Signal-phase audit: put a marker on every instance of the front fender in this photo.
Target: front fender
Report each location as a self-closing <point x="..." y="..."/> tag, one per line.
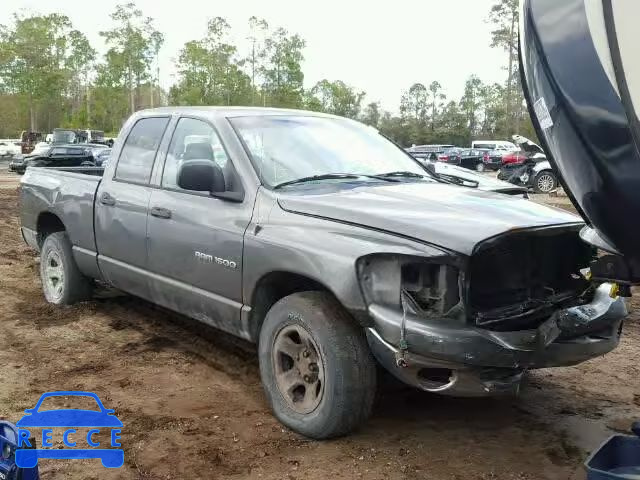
<point x="319" y="249"/>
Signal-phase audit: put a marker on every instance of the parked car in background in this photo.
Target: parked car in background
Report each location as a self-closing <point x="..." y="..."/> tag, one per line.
<point x="102" y="156"/>
<point x="450" y="155"/>
<point x="473" y="159"/>
<point x="80" y="136"/>
<point x="429" y="152"/>
<point x="514" y="157"/>
<point x="28" y="141"/>
<point x="55" y="156"/>
<point x="529" y="167"/>
<point x="95" y="148"/>
<point x="535" y="174"/>
<point x="492" y="159"/>
<point x="494" y="145"/>
<point x="64" y="136"/>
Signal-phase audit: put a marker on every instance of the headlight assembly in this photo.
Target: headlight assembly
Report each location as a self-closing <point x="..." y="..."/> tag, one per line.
<point x="424" y="286"/>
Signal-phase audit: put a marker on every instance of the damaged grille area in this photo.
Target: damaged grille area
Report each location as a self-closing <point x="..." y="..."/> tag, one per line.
<point x="433" y="289"/>
<point x="518" y="280"/>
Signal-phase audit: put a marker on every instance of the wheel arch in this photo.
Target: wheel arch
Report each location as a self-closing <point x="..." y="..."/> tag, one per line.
<point x="272" y="287"/>
<point x="47" y="224"/>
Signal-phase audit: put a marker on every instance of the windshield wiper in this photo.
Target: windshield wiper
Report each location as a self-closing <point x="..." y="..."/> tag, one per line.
<point x="399" y="174"/>
<point x="463" y="182"/>
<point x="312" y="178"/>
<point x="330" y="176"/>
<point x="451" y="179"/>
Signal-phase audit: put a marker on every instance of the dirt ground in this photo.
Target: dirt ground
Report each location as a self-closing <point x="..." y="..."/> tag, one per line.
<point x="192" y="405"/>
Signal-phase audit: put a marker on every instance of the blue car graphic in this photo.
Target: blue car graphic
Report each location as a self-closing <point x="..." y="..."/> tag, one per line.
<point x="70" y="418"/>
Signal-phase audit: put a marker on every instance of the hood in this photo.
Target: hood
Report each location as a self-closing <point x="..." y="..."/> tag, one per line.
<point x="527" y="145"/>
<point x="455" y="218"/>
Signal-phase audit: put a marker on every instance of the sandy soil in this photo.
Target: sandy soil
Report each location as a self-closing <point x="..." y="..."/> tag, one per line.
<point x="192" y="405"/>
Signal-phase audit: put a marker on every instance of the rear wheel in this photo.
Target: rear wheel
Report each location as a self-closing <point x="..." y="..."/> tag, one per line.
<point x="545" y="182"/>
<point x="62" y="281"/>
<point x="480" y="167"/>
<point x="318" y="373"/>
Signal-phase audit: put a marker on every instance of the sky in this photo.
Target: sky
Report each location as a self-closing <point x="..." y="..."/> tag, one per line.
<point x="381" y="47"/>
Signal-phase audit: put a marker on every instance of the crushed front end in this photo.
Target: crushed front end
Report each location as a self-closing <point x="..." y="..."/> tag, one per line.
<point x="471" y="326"/>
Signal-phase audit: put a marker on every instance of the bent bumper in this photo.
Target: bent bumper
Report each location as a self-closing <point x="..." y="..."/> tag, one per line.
<point x="484" y="362"/>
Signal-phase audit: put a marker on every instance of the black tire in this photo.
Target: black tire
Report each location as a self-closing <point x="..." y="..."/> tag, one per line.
<point x="71" y="286"/>
<point x="545" y="182"/>
<point x="348" y="368"/>
<point x="480" y="167"/>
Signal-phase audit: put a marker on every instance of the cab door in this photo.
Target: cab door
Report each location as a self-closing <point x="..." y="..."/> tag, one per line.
<point x="195" y="240"/>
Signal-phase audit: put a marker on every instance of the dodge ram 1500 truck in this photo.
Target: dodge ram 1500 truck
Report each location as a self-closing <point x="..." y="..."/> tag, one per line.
<point x="332" y="248"/>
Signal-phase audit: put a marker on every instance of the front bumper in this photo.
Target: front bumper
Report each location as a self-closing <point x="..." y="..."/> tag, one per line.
<point x="484" y="362"/>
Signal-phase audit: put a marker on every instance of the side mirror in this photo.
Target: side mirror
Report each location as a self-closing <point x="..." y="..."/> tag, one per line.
<point x="201" y="176"/>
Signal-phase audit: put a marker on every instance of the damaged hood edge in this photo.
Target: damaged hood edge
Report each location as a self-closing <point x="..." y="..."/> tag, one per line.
<point x="457" y="219"/>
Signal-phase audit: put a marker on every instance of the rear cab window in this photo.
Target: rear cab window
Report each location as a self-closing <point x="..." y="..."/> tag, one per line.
<point x="139" y="151"/>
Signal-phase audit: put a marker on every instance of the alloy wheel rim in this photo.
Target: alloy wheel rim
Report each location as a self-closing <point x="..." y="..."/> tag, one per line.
<point x="54" y="275"/>
<point x="298" y="368"/>
<point x="545" y="183"/>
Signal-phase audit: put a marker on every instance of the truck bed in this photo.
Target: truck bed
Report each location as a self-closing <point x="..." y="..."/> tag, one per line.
<point x="67" y="193"/>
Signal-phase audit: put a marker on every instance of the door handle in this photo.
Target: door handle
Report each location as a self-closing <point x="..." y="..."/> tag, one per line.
<point x="107" y="199"/>
<point x="160" y="212"/>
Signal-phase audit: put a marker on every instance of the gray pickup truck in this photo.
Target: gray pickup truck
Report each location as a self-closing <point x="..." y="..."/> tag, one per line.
<point x="330" y="247"/>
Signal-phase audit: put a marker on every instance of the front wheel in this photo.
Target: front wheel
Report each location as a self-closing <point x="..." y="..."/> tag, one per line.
<point x="62" y="281"/>
<point x="480" y="167"/>
<point x="318" y="373"/>
<point x="545" y="182"/>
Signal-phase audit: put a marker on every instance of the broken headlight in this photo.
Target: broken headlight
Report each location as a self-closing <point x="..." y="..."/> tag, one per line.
<point x="424" y="287"/>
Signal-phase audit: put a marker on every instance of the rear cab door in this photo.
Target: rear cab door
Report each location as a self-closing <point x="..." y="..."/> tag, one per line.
<point x="122" y="201"/>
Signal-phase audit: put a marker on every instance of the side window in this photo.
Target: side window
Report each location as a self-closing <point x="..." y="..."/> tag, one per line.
<point x="193" y="140"/>
<point x="139" y="151"/>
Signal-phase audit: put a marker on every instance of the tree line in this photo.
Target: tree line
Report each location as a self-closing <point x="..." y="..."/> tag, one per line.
<point x="51" y="76"/>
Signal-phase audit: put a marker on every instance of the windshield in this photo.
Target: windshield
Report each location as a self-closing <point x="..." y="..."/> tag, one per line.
<point x="286" y="148"/>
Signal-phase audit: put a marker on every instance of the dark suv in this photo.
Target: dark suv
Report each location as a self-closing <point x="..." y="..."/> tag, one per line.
<point x="55" y="156"/>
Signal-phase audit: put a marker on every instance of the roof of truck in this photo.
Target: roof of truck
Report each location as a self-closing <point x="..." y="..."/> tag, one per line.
<point x="233" y="111"/>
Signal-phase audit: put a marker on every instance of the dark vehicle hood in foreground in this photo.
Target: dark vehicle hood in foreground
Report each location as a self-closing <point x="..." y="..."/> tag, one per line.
<point x="456" y="218"/>
<point x="579" y="83"/>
